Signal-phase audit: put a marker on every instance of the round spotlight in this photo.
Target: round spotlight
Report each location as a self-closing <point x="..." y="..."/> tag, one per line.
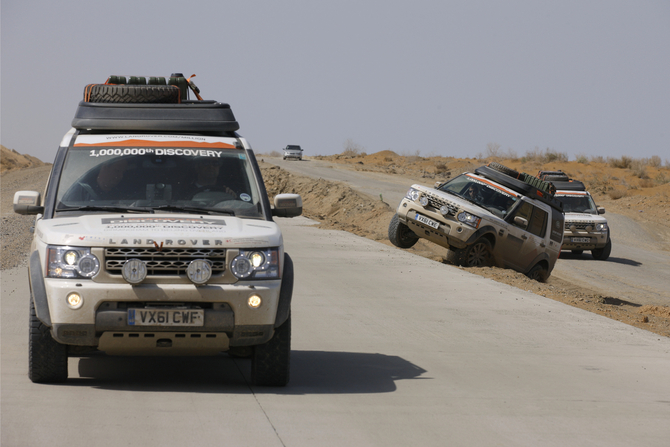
<point x="134" y="271"/>
<point x="254" y="301"/>
<point x="444" y="210"/>
<point x="74" y="300"/>
<point x="573" y="228"/>
<point x="199" y="271"/>
<point x="589" y="228"/>
<point x="423" y="200"/>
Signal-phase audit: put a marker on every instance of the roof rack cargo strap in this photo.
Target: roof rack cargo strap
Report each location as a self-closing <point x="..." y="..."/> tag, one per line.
<point x="195" y="88"/>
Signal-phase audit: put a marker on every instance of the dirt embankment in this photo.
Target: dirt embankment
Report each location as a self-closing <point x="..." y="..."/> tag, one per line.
<point x="339" y="207"/>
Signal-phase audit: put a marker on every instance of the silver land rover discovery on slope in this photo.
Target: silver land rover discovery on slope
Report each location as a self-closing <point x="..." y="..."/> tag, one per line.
<point x="155" y="236"/>
<point x="494" y="216"/>
<point x="585" y="227"/>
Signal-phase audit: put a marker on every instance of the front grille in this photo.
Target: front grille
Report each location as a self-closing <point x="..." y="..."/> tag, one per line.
<point x="579" y="225"/>
<point x="170" y="261"/>
<point x="437" y="203"/>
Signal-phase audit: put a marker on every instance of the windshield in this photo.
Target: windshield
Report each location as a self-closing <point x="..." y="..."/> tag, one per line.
<point x="494" y="199"/>
<point x="578" y="204"/>
<point x="158" y="176"/>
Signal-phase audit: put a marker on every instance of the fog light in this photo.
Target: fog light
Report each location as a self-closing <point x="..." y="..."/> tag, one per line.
<point x="134" y="271"/>
<point x="74" y="300"/>
<point x="254" y="301"/>
<point x="199" y="271"/>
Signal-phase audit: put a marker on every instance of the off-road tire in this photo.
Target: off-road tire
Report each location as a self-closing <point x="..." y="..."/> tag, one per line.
<point x="538" y="273"/>
<point x="400" y="235"/>
<point x="270" y="364"/>
<point x="601" y="254"/>
<point x="47" y="359"/>
<point x="132" y="94"/>
<point x="475" y="255"/>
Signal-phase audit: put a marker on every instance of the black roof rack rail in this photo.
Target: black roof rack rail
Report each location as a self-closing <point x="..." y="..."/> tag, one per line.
<point x="187" y="116"/>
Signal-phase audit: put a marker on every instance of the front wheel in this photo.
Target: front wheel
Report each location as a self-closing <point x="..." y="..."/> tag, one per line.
<point x="400" y="235"/>
<point x="538" y="273"/>
<point x="270" y="364"/>
<point x="602" y="254"/>
<point x="47" y="359"/>
<point x="475" y="255"/>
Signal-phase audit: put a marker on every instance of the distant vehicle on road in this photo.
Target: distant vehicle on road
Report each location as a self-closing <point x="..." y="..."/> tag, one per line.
<point x="293" y="151"/>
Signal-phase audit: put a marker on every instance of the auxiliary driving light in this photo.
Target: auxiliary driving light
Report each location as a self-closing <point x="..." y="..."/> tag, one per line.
<point x="199" y="271"/>
<point x="423" y="200"/>
<point x="134" y="271"/>
<point x="74" y="300"/>
<point x="254" y="301"/>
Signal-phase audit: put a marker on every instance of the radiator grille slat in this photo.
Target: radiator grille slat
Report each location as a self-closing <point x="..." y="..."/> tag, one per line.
<point x="170" y="261"/>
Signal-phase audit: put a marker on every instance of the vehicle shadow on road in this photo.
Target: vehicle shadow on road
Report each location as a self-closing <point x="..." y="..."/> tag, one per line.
<point x="587" y="257"/>
<point x="312" y="372"/>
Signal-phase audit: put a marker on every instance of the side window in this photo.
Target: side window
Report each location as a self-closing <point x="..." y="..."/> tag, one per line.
<point x="524" y="210"/>
<point x="538" y="224"/>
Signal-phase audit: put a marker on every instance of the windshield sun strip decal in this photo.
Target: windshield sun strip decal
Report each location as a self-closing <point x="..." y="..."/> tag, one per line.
<point x="152" y="143"/>
<point x="496" y="186"/>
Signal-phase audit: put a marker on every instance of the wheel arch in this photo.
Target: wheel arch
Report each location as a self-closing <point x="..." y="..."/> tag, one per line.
<point x="38" y="289"/>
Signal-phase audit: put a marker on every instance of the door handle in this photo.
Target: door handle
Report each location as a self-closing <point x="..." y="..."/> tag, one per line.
<point x="524" y="237"/>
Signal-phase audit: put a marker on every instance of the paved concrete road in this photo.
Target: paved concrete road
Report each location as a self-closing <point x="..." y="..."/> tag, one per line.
<point x="389" y="349"/>
<point x="636" y="270"/>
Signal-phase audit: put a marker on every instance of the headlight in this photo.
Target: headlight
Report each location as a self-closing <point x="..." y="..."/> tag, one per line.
<point x="469" y="219"/>
<point x="601" y="227"/>
<point x="71" y="262"/>
<point x="412" y="194"/>
<point x="256" y="264"/>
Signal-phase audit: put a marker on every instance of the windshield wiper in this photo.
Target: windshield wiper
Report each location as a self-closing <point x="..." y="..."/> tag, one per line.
<point x="114" y="209"/>
<point x="193" y="209"/>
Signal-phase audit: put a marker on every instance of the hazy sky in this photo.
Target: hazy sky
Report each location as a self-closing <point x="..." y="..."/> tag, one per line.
<point x="444" y="77"/>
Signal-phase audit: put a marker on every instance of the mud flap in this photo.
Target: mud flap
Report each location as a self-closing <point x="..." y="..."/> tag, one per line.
<point x="39" y="291"/>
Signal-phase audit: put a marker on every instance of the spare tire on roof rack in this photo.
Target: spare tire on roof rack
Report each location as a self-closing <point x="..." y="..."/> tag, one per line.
<point x="526" y="178"/>
<point x="132" y="94"/>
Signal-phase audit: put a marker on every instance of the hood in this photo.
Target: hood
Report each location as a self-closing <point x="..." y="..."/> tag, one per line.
<point x="171" y="230"/>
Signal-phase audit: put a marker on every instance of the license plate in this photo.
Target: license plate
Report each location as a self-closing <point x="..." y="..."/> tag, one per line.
<point x="583" y="240"/>
<point x="430" y="222"/>
<point x="166" y="317"/>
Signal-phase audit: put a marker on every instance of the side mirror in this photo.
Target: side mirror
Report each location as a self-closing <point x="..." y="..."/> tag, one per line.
<point x="438" y="184"/>
<point x="27" y="202"/>
<point x="601" y="210"/>
<point x="521" y="222"/>
<point x="287" y="205"/>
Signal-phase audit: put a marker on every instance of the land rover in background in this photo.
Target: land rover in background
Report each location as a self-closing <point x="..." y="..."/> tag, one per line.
<point x="585" y="227"/>
<point x="135" y="253"/>
<point x="494" y="216"/>
<point x="293" y="152"/>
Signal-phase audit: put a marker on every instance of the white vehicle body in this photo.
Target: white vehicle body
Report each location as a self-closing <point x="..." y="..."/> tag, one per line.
<point x="293" y="152"/>
<point x="158" y="242"/>
<point x="585" y="227"/>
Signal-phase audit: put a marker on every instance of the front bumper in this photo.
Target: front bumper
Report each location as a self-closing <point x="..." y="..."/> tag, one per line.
<point x="582" y="240"/>
<point x="103" y="318"/>
<point x="450" y="233"/>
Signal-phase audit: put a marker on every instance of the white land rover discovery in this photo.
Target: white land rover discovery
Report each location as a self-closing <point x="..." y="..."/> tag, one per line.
<point x="492" y="216"/>
<point x="585" y="228"/>
<point x="155" y="236"/>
